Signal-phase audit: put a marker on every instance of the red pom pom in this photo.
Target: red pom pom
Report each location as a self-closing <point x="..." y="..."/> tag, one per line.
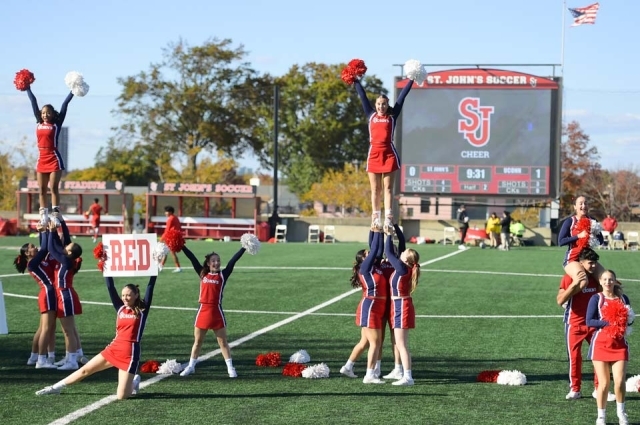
<point x="173" y="239"/>
<point x="293" y="369"/>
<point x="23" y="80"/>
<point x="584" y="224"/>
<point x="488" y="376"/>
<point x="615" y="313"/>
<point x="101" y="265"/>
<point x="151" y="366"/>
<point x="348" y="76"/>
<point x="98" y="251"/>
<point x="358" y="67"/>
<point x="268" y="360"/>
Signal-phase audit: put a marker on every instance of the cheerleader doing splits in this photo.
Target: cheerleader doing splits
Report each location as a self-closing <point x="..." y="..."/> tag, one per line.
<point x="383" y="159"/>
<point x="50" y="165"/>
<point x="569" y="236"/>
<point x="124" y="351"/>
<point x="210" y="314"/>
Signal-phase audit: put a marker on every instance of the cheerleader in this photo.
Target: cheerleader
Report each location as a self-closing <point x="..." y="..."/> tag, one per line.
<point x="69" y="259"/>
<point x="123" y="352"/>
<point x="382" y="159"/>
<point x="609" y="350"/>
<point x="42" y="268"/>
<point x="50" y="164"/>
<point x="569" y="236"/>
<point x="210" y="314"/>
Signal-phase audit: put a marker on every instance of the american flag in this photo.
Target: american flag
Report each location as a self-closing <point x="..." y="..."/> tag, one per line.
<point x="584" y="15"/>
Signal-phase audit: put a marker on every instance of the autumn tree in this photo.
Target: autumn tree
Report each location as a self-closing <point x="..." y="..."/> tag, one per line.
<point x="16" y="163"/>
<point x="196" y="99"/>
<point x="321" y="123"/>
<point x="578" y="160"/>
<point x="347" y="189"/>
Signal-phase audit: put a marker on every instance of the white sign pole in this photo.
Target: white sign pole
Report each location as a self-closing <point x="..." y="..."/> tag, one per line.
<point x="4" y="329"/>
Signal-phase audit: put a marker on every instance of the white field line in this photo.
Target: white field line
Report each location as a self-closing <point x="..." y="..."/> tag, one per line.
<point x="109" y="399"/>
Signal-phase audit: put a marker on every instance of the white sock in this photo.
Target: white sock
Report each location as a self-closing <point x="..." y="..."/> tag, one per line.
<point x="33" y="356"/>
<point x="349" y="364"/>
<point x="376" y="213"/>
<point x="71" y="357"/>
<point x="388" y="213"/>
<point x="369" y="373"/>
<point x="377" y="369"/>
<point x="192" y="362"/>
<point x="52" y="354"/>
<point x="407" y="374"/>
<point x="229" y="363"/>
<point x="80" y="353"/>
<point x="620" y="407"/>
<point x="399" y="367"/>
<point x="42" y="358"/>
<point x="59" y="385"/>
<point x="602" y="413"/>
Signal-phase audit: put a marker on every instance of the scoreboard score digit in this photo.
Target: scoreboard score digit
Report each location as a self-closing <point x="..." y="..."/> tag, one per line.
<point x="481" y="131"/>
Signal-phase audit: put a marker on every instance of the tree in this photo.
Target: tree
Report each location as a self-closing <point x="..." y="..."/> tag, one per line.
<point x="197" y="99"/>
<point x="347" y="188"/>
<point x="321" y="126"/>
<point x="16" y="163"/>
<point x="578" y="160"/>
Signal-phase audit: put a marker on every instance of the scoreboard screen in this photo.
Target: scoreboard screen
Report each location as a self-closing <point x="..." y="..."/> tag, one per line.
<point x="480" y="131"/>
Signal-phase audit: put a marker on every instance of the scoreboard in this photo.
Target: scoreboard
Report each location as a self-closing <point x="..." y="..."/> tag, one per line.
<point x="480" y="131"/>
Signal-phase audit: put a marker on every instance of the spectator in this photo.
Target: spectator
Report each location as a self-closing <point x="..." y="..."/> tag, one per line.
<point x="610" y="224"/>
<point x="493" y="229"/>
<point x="517" y="230"/>
<point x="505" y="231"/>
<point x="463" y="222"/>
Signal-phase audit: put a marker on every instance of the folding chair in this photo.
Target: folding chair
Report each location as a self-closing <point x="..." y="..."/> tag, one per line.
<point x="608" y="241"/>
<point x="314" y="234"/>
<point x="632" y="241"/>
<point x="281" y="233"/>
<point x="329" y="234"/>
<point x="449" y="232"/>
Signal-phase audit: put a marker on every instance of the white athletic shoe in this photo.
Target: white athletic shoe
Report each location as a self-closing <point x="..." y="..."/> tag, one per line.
<point x="573" y="395"/>
<point x="44" y="216"/>
<point x="405" y="382"/>
<point x="601" y="421"/>
<point x="136" y="384"/>
<point x="610" y="396"/>
<point x="348" y="372"/>
<point x="48" y="390"/>
<point x="69" y="365"/>
<point x="388" y="226"/>
<point x="45" y="365"/>
<point x="32" y="362"/>
<point x="187" y="371"/>
<point x="372" y="380"/>
<point x="177" y="270"/>
<point x="462" y="247"/>
<point x="61" y="362"/>
<point x="232" y="372"/>
<point x="395" y="374"/>
<point x="623" y="419"/>
<point x="375" y="223"/>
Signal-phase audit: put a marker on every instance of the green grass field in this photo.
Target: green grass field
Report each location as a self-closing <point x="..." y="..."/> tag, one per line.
<point x="478" y="310"/>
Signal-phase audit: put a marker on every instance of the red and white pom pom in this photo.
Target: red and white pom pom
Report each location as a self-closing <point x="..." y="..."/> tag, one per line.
<point x="317" y="371"/>
<point x="511" y="377"/>
<point x="415" y="71"/>
<point x="633" y="384"/>
<point x="250" y="242"/>
<point x="169" y="367"/>
<point x="300" y="357"/>
<point x="23" y="79"/>
<point x="174" y="240"/>
<point x="75" y="81"/>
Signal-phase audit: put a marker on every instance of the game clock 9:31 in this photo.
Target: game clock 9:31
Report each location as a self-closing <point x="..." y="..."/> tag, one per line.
<point x="476" y="174"/>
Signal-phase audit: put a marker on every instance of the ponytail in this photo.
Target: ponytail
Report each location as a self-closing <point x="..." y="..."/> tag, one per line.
<point x="355" y="272"/>
<point x="21" y="261"/>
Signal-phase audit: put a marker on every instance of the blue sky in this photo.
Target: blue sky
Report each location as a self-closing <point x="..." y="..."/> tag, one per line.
<point x="121" y="38"/>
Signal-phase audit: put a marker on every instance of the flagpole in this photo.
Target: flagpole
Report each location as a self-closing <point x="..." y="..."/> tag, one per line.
<point x="564" y="7"/>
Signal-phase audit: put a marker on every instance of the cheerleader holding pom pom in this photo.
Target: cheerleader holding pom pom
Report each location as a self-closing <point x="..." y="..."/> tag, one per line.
<point x="383" y="159"/>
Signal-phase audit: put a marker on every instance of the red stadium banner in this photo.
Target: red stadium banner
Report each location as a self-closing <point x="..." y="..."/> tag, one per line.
<point x="27" y="185"/>
<point x="201" y="188"/>
<point x="478" y="78"/>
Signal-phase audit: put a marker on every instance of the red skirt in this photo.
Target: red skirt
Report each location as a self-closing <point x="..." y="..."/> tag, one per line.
<point x="383" y="159"/>
<point x="49" y="161"/>
<point x="371" y="313"/>
<point x="210" y="316"/>
<point x="403" y="315"/>
<point x="47" y="300"/>
<point x="124" y="355"/>
<point x="68" y="302"/>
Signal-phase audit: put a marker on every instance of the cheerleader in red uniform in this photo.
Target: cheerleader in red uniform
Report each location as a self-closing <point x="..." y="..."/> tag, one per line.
<point x="370" y="313"/>
<point x="569" y="236"/>
<point x="609" y="350"/>
<point x="123" y="352"/>
<point x="402" y="317"/>
<point x="383" y="159"/>
<point x="42" y="268"/>
<point x="50" y="164"/>
<point x="69" y="259"/>
<point x="210" y="314"/>
<point x="173" y="223"/>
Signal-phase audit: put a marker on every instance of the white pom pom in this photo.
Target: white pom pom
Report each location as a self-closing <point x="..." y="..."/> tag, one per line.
<point x="300" y="357"/>
<point x="318" y="371"/>
<point x="415" y="71"/>
<point x="511" y="377"/>
<point x="75" y="81"/>
<point x="250" y="242"/>
<point x="169" y="367"/>
<point x="632" y="384"/>
<point x="160" y="252"/>
<point x="596" y="229"/>
<point x="631" y="315"/>
<point x="628" y="331"/>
